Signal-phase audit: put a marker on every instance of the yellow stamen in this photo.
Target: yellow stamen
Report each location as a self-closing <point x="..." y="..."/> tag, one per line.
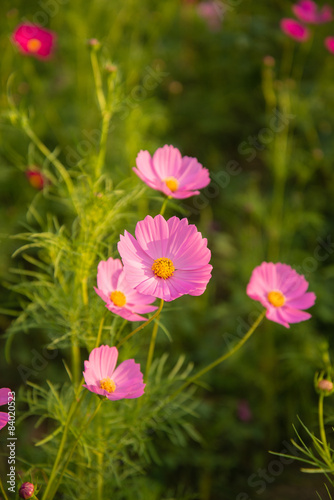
<point x="276" y="298"/>
<point x="118" y="298"/>
<point x="107" y="384"/>
<point x="171" y="183"/>
<point x="34" y="45"/>
<point x="163" y="267"/>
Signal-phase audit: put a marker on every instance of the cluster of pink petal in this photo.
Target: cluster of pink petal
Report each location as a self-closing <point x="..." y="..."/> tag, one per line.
<point x="308" y="12"/>
<point x="167" y="162"/>
<point x="295" y="30"/>
<point x="270" y="277"/>
<point x="329" y="44"/>
<point x="174" y="239"/>
<point x="127" y="376"/>
<point x="111" y="277"/>
<point x="211" y="12"/>
<point x="4" y="395"/>
<point x="25" y="33"/>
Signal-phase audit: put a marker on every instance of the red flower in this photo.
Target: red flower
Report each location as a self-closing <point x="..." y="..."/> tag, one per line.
<point x="36" y="178"/>
<point x="34" y="41"/>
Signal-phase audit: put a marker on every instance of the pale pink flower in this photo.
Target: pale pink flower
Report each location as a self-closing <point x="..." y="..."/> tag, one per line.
<point x="169" y="172"/>
<point x="329" y="44"/>
<point x="282" y="291"/>
<point x="307" y="11"/>
<point x="295" y="30"/>
<point x="4" y="396"/>
<point x="211" y="12"/>
<point x="126" y="382"/>
<point x="33" y="40"/>
<point x="168" y="259"/>
<point x="120" y="297"/>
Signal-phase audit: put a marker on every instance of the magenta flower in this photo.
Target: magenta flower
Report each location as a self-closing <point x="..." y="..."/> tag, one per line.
<point x="211" y="12"/>
<point x="295" y="30"/>
<point x="169" y="172"/>
<point x="120" y="297"/>
<point x="282" y="291"/>
<point x="307" y="11"/>
<point x="33" y="40"/>
<point x="4" y="417"/>
<point x="168" y="259"/>
<point x="329" y="44"/>
<point x="126" y="382"/>
<point x="26" y="490"/>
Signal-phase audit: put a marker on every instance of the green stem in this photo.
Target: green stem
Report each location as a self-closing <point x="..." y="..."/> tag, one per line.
<point x="98" y="338"/>
<point x="221" y="358"/>
<point x="72" y="451"/>
<point x="50" y="156"/>
<point x="322" y="426"/>
<point x="155" y="315"/>
<point x="73" y="408"/>
<point x="3" y="491"/>
<point x="151" y="348"/>
<point x="84" y="291"/>
<point x="98" y="80"/>
<point x="164" y="205"/>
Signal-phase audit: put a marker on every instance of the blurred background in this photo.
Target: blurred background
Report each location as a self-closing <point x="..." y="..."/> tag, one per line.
<point x="220" y="81"/>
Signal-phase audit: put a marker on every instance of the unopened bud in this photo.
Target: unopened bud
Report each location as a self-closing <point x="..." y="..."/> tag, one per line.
<point x="93" y="42"/>
<point x="27" y="490"/>
<point x="325" y="385"/>
<point x="269" y="61"/>
<point x="110" y="68"/>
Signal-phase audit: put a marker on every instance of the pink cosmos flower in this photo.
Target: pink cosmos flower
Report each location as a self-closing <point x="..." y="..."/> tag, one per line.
<point x="36" y="178"/>
<point x="282" y="291"/>
<point x="329" y="44"/>
<point x="126" y="382"/>
<point x="211" y="13"/>
<point x="295" y="30"/>
<point x="33" y="40"/>
<point x="4" y="417"/>
<point x="168" y="259"/>
<point x="307" y="11"/>
<point x="169" y="172"/>
<point x="119" y="296"/>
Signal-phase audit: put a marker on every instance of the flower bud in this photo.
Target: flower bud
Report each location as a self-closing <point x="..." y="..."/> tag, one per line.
<point x="27" y="490"/>
<point x="325" y="385"/>
<point x="36" y="178"/>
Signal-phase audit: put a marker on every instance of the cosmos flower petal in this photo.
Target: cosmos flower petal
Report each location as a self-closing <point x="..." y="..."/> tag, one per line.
<point x="329" y="43"/>
<point x="108" y="273"/>
<point x="295" y="30"/>
<point x="291" y="315"/>
<point x="167" y="161"/>
<point x="34" y="40"/>
<point x="4" y="419"/>
<point x="4" y="395"/>
<point x="302" y="302"/>
<point x="152" y="236"/>
<point x="274" y="314"/>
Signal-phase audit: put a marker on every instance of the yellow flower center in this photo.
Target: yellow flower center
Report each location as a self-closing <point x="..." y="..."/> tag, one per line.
<point x="171" y="183"/>
<point x="276" y="298"/>
<point x="163" y="267"/>
<point x="118" y="298"/>
<point x="34" y="45"/>
<point x="107" y="384"/>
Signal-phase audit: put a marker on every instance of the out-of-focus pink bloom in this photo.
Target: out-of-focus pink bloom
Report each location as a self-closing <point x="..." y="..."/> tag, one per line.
<point x="210" y="12"/>
<point x="119" y="296"/>
<point x="282" y="291"/>
<point x="169" y="172"/>
<point x="126" y="382"/>
<point x="329" y="44"/>
<point x="295" y="30"/>
<point x="33" y="40"/>
<point x="26" y="491"/>
<point x="243" y="411"/>
<point x="4" y="399"/>
<point x="168" y="259"/>
<point x="307" y="11"/>
<point x="36" y="178"/>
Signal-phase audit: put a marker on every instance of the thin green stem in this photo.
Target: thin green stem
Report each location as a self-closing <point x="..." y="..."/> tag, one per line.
<point x="164" y="205"/>
<point x="221" y="358"/>
<point x="155" y="315"/>
<point x="322" y="427"/>
<point x="98" y="338"/>
<point x="5" y="497"/>
<point x="106" y="116"/>
<point x="72" y="450"/>
<point x="50" y="156"/>
<point x="151" y="348"/>
<point x="84" y="291"/>
<point x="98" y="80"/>
<point x="73" y="408"/>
